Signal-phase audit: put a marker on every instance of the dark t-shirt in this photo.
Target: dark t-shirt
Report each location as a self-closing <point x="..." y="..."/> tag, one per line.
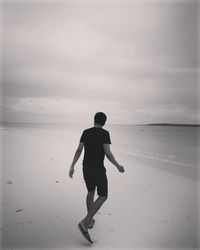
<point x="93" y="139"/>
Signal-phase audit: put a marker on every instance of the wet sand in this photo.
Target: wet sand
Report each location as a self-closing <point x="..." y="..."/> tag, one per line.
<point x="148" y="207"/>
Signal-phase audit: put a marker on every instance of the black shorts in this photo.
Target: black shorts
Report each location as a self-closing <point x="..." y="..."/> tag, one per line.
<point x="96" y="177"/>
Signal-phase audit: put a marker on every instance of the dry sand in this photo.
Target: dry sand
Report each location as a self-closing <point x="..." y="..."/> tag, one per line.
<point x="147" y="208"/>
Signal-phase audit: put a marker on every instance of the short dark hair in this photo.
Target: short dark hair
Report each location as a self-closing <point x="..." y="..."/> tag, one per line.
<point x="100" y="118"/>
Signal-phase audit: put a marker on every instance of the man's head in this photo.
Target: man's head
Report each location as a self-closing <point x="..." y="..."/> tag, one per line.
<point x="100" y="118"/>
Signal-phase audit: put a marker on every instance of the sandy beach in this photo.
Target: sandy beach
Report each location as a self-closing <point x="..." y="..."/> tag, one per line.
<point x="153" y="205"/>
<point x="62" y="63"/>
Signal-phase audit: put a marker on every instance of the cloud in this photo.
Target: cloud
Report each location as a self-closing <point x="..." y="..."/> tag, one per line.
<point x="137" y="60"/>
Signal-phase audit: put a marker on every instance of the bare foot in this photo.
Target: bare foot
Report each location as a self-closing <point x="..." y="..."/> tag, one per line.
<point x="84" y="226"/>
<point x="91" y="224"/>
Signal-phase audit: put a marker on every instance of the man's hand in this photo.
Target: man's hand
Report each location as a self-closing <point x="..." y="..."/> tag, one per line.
<point x="71" y="172"/>
<point x="120" y="168"/>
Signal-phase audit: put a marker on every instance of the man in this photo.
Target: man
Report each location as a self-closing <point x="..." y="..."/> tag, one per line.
<point x="96" y="142"/>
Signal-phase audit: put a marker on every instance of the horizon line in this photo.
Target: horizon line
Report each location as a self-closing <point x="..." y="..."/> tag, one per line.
<point x="107" y="124"/>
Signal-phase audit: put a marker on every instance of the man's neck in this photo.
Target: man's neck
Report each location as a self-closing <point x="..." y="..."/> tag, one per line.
<point x="98" y="126"/>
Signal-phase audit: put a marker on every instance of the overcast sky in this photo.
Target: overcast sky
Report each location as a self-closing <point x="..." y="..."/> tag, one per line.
<point x="135" y="60"/>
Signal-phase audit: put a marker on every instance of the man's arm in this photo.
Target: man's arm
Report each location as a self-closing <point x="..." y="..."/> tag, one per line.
<point x="111" y="157"/>
<point x="75" y="159"/>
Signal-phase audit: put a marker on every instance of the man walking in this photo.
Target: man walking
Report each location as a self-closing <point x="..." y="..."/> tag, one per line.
<point x="96" y="142"/>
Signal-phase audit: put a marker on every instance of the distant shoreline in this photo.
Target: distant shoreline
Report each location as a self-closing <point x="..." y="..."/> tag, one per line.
<point x="76" y="124"/>
<point x="172" y="124"/>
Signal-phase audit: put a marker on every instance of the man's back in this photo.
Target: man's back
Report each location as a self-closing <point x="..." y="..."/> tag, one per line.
<point x="93" y="139"/>
<point x="96" y="142"/>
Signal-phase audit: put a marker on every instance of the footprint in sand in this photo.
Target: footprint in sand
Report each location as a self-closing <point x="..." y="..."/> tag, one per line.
<point x="9" y="182"/>
<point x="19" y="210"/>
<point x="18" y="223"/>
<point x="109" y="214"/>
<point x="57" y="181"/>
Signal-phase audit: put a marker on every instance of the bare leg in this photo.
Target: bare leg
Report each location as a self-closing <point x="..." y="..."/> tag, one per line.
<point x="96" y="206"/>
<point x="90" y="200"/>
